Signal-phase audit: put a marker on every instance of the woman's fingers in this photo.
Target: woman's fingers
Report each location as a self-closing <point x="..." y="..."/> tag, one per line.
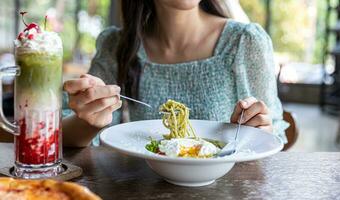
<point x="241" y="104"/>
<point x="255" y="109"/>
<point x="79" y="101"/>
<point x="98" y="105"/>
<point x="98" y="81"/>
<point x="99" y="92"/>
<point x="256" y="114"/>
<point x="77" y="85"/>
<point x="85" y="81"/>
<point x="246" y="103"/>
<point x="92" y="100"/>
<point x="237" y="112"/>
<point x="259" y="120"/>
<point x="104" y="117"/>
<point x="95" y="93"/>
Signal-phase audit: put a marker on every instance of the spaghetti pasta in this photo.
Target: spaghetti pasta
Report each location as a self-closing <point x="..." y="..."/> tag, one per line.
<point x="176" y="119"/>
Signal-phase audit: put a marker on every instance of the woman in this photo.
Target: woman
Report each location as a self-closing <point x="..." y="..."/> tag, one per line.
<point x="185" y="50"/>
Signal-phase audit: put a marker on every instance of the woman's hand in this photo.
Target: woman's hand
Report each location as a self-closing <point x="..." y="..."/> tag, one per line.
<point x="92" y="100"/>
<point x="256" y="114"/>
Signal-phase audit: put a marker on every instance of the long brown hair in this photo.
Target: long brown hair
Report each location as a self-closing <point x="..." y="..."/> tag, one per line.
<point x="138" y="18"/>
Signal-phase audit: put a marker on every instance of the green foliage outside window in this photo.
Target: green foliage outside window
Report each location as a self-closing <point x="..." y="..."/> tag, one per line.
<point x="297" y="27"/>
<point x="295" y="30"/>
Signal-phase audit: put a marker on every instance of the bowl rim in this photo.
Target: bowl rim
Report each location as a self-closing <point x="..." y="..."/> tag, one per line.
<point x="161" y="158"/>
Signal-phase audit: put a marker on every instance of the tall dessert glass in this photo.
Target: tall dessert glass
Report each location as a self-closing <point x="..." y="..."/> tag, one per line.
<point x="38" y="96"/>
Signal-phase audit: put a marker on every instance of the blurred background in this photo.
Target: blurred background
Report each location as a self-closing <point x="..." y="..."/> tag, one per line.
<point x="305" y="36"/>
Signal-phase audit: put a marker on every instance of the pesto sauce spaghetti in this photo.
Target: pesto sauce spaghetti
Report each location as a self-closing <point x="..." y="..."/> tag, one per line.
<point x="177" y="120"/>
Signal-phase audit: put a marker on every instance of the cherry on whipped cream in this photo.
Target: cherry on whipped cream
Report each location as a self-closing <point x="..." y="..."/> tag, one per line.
<point x="26" y="32"/>
<point x="30" y="36"/>
<point x="31" y="26"/>
<point x="21" y="36"/>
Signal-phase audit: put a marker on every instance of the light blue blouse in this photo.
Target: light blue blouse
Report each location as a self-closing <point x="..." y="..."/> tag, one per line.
<point x="242" y="65"/>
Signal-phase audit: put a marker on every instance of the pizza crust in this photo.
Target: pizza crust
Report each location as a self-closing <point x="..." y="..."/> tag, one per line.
<point x="20" y="189"/>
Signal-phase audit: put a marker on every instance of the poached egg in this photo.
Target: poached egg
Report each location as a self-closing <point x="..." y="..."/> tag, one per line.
<point x="186" y="147"/>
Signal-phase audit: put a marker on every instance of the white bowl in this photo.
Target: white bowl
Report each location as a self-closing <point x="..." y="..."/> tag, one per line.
<point x="131" y="138"/>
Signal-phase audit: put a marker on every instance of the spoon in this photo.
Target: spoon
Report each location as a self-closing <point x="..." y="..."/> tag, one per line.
<point x="142" y="103"/>
<point x="230" y="148"/>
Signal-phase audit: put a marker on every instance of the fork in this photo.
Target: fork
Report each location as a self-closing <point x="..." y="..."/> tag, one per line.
<point x="135" y="100"/>
<point x="142" y="103"/>
<point x="231" y="147"/>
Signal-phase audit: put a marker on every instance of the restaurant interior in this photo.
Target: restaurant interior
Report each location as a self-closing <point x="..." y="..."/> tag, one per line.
<point x="306" y="42"/>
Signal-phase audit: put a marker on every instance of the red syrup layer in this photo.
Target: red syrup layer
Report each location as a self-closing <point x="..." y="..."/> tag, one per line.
<point x="35" y="148"/>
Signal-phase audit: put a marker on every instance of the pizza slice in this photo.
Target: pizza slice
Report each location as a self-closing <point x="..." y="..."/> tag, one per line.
<point x="19" y="189"/>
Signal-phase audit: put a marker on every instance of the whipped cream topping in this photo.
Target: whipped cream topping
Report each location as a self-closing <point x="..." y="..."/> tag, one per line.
<point x="35" y="39"/>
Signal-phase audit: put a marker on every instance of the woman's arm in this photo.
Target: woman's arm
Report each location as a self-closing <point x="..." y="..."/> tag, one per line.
<point x="95" y="106"/>
<point x="255" y="77"/>
<point x="77" y="132"/>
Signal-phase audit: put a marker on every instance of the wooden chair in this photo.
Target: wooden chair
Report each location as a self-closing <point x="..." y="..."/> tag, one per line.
<point x="291" y="132"/>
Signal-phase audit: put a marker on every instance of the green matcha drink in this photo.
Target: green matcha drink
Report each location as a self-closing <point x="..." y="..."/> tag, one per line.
<point x="38" y="100"/>
<point x="40" y="79"/>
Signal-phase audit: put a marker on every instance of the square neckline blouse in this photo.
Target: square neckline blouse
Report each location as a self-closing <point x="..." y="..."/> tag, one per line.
<point x="242" y="65"/>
